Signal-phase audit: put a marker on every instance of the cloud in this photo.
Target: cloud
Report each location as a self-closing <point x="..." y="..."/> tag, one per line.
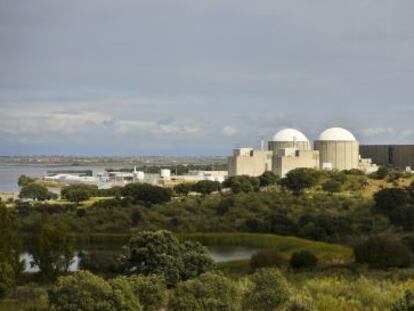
<point x="155" y="128"/>
<point x="230" y="130"/>
<point x="378" y="131"/>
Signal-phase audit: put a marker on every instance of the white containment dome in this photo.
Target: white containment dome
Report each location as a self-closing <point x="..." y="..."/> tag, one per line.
<point x="338" y="149"/>
<point x="288" y="138"/>
<point x="337" y="134"/>
<point x="289" y="135"/>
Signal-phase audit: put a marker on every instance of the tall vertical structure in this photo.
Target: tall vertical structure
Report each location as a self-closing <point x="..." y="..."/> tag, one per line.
<point x="338" y="149"/>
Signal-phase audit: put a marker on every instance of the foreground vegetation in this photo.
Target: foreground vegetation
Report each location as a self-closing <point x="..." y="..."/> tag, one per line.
<point x="324" y="241"/>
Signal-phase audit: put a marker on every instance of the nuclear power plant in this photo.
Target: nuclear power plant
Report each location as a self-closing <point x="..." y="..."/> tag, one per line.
<point x="335" y="149"/>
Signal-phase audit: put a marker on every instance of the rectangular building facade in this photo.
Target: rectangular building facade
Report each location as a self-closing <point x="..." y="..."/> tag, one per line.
<point x="399" y="156"/>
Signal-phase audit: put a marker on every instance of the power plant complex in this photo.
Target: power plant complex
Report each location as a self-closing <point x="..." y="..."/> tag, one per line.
<point x="335" y="149"/>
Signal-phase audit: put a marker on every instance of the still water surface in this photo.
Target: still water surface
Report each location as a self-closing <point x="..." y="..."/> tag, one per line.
<point x="219" y="254"/>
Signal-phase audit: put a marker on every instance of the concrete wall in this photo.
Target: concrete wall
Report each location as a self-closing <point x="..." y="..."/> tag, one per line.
<point x="254" y="164"/>
<point x="343" y="155"/>
<point x="275" y="146"/>
<point x="399" y="156"/>
<point x="301" y="159"/>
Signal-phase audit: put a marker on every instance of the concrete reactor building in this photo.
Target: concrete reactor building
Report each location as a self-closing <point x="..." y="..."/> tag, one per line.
<point x="335" y="149"/>
<point x="338" y="149"/>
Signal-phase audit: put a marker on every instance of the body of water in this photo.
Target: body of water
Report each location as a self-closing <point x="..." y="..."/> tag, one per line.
<point x="219" y="254"/>
<point x="10" y="173"/>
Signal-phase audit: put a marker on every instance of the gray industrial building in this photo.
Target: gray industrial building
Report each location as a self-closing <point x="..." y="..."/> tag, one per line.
<point x="399" y="156"/>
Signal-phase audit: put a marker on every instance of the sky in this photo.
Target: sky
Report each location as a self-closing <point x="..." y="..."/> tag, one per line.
<point x="189" y="77"/>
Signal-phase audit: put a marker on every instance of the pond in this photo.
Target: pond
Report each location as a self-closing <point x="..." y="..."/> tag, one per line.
<point x="219" y="254"/>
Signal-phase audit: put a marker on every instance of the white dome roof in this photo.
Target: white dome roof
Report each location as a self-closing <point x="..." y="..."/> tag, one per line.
<point x="289" y="135"/>
<point x="337" y="133"/>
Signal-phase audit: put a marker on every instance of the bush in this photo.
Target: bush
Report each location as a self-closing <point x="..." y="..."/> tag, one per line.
<point x="36" y="192"/>
<point x="78" y="193"/>
<point x="303" y="259"/>
<point x="209" y="292"/>
<point x="299" y="179"/>
<point x="123" y="295"/>
<point x="7" y="278"/>
<point x="387" y="200"/>
<point x="242" y="183"/>
<point x="147" y="193"/>
<point x="182" y="189"/>
<point x="25" y="180"/>
<point x="206" y="186"/>
<point x="270" y="291"/>
<point x="265" y="259"/>
<point x="151" y="290"/>
<point x="268" y="179"/>
<point x="382" y="253"/>
<point x="332" y="186"/>
<point x="83" y="290"/>
<point x="406" y="303"/>
<point x="161" y="253"/>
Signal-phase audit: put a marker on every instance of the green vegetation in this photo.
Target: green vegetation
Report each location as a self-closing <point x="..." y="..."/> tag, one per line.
<point x="36" y="191"/>
<point x="303" y="259"/>
<point x="161" y="253"/>
<point x="339" y="240"/>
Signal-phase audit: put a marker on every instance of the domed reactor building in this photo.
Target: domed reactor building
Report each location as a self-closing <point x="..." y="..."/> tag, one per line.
<point x="338" y="149"/>
<point x="288" y="149"/>
<point x="335" y="149"/>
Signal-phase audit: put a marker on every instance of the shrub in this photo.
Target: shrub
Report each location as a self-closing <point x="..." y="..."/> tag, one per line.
<point x="387" y="200"/>
<point x="151" y="290"/>
<point x="161" y="253"/>
<point x="78" y="193"/>
<point x="123" y="295"/>
<point x="209" y="292"/>
<point x="303" y="259"/>
<point x="266" y="258"/>
<point x="242" y="183"/>
<point x="268" y="178"/>
<point x="270" y="291"/>
<point x="25" y="180"/>
<point x="7" y="277"/>
<point x="206" y="186"/>
<point x="147" y="193"/>
<point x="299" y="179"/>
<point x="83" y="290"/>
<point x="36" y="192"/>
<point x="382" y="252"/>
<point x="406" y="303"/>
<point x="332" y="186"/>
<point x="182" y="189"/>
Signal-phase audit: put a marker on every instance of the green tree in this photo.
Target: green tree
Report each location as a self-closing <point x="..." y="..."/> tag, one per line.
<point x="151" y="290"/>
<point x="183" y="188"/>
<point x="25" y="180"/>
<point x="299" y="179"/>
<point x="206" y="186"/>
<point x="123" y="295"/>
<point x="78" y="193"/>
<point x="387" y="200"/>
<point x="36" y="192"/>
<point x="242" y="183"/>
<point x="270" y="291"/>
<point x="52" y="250"/>
<point x="303" y="259"/>
<point x="147" y="193"/>
<point x="208" y="292"/>
<point x="161" y="253"/>
<point x="268" y="178"/>
<point x="10" y="240"/>
<point x="382" y="253"/>
<point x="85" y="291"/>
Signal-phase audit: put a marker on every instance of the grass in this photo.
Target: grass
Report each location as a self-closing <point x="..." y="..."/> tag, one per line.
<point x="327" y="253"/>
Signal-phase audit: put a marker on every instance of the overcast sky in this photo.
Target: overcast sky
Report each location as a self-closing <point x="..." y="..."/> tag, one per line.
<point x="189" y="77"/>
